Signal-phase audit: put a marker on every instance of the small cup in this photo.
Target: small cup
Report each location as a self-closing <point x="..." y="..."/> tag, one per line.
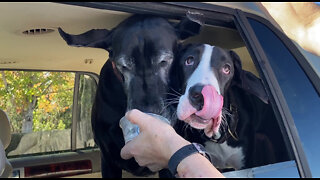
<point x="132" y="130"/>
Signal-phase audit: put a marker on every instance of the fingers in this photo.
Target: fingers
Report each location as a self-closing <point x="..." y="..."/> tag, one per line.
<point x="154" y="167"/>
<point x="137" y="117"/>
<point x="125" y="152"/>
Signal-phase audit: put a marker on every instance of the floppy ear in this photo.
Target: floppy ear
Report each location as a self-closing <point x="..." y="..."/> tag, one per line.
<point x="96" y="38"/>
<point x="246" y="80"/>
<point x="190" y="25"/>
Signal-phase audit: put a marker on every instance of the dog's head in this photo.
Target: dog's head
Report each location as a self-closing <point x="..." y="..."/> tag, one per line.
<point x="141" y="50"/>
<point x="205" y="73"/>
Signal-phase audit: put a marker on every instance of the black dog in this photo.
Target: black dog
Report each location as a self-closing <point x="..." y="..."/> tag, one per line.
<point x="240" y="134"/>
<point x="141" y="50"/>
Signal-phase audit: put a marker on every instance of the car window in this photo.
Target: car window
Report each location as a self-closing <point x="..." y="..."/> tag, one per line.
<point x="270" y="156"/>
<point x="40" y="107"/>
<point x="86" y="95"/>
<point x="300" y="95"/>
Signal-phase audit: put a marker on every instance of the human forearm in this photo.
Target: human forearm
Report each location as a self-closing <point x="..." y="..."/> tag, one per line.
<point x="197" y="165"/>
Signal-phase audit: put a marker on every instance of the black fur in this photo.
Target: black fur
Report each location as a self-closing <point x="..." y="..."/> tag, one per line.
<point x="141" y="38"/>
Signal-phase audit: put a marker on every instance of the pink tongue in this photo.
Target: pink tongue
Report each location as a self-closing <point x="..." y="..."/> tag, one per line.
<point x="213" y="103"/>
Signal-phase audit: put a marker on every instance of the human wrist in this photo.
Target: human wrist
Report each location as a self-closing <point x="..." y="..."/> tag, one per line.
<point x="196" y="165"/>
<point x="176" y="144"/>
<point x="184" y="168"/>
<point x="183" y="153"/>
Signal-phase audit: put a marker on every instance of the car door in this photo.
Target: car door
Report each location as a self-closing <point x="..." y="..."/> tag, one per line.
<point x="295" y="82"/>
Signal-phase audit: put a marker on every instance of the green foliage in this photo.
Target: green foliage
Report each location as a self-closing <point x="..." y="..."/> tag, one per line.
<point x="47" y="95"/>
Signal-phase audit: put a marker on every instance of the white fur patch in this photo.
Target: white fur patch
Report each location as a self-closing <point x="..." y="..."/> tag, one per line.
<point x="203" y="74"/>
<point x="225" y="156"/>
<point x="168" y="57"/>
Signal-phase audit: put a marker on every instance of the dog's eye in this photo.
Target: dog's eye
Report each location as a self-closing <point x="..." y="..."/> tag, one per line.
<point x="189" y="61"/>
<point x="124" y="68"/>
<point x="163" y="63"/>
<point x="226" y="69"/>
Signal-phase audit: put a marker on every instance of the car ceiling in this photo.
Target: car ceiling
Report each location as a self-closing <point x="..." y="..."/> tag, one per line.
<point x="48" y="51"/>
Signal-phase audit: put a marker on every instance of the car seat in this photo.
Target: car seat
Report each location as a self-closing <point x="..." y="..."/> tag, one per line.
<point x="5" y="138"/>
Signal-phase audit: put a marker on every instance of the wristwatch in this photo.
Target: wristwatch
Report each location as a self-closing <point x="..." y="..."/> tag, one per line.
<point x="184" y="152"/>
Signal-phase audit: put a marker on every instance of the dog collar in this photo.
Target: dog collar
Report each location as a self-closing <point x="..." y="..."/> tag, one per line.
<point x="116" y="72"/>
<point x="184" y="152"/>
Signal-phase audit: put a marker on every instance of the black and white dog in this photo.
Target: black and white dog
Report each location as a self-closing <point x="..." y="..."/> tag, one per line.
<point x="226" y="108"/>
<point x="141" y="50"/>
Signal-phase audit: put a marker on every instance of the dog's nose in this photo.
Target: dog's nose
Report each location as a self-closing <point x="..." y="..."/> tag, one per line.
<point x="196" y="97"/>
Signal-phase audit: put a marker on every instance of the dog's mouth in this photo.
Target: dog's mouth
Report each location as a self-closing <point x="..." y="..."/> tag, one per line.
<point x="210" y="126"/>
<point x="209" y="117"/>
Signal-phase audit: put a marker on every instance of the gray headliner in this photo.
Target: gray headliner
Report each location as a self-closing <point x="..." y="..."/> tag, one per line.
<point x="50" y="52"/>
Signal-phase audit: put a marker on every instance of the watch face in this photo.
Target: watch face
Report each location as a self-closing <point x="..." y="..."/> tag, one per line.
<point x="201" y="150"/>
<point x="199" y="147"/>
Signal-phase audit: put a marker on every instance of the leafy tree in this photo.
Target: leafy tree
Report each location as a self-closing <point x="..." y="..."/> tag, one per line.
<point x="37" y="101"/>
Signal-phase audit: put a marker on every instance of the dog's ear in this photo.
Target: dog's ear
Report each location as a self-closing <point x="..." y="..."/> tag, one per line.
<point x="246" y="80"/>
<point x="96" y="38"/>
<point x="189" y="26"/>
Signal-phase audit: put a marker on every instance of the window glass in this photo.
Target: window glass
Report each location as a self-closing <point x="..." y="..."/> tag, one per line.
<point x="87" y="91"/>
<point x="301" y="97"/>
<point x="39" y="106"/>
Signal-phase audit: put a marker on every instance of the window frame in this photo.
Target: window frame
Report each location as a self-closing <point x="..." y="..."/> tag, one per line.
<point x="73" y="138"/>
<point x="274" y="87"/>
<point x="75" y="107"/>
<point x="70" y="155"/>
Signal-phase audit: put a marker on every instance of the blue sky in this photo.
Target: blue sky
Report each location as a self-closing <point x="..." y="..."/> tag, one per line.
<point x="318" y="3"/>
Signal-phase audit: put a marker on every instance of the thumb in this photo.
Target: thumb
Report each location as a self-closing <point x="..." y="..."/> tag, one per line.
<point x="125" y="151"/>
<point x="137" y="117"/>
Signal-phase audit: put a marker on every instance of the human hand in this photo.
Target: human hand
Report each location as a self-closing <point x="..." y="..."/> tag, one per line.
<point x="155" y="144"/>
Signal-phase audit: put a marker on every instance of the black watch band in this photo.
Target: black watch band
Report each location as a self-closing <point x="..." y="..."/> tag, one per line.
<point x="184" y="152"/>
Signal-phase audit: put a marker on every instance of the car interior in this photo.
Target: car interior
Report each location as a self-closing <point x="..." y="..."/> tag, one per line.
<point x="5" y="138"/>
<point x="29" y="41"/>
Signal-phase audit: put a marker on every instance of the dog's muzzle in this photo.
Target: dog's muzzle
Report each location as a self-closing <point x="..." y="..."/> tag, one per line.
<point x="202" y="109"/>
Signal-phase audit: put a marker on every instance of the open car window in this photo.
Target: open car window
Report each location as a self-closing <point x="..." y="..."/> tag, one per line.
<point x="41" y="108"/>
<point x="278" y="152"/>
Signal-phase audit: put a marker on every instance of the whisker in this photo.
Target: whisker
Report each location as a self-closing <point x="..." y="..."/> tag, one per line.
<point x="170" y="103"/>
<point x="175" y="91"/>
<point x="166" y="104"/>
<point x="171" y="99"/>
<point x="173" y="94"/>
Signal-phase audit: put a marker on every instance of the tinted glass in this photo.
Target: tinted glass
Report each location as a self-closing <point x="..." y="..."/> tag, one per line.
<point x="301" y="97"/>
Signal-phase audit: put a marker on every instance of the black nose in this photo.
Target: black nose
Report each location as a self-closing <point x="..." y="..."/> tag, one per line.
<point x="196" y="97"/>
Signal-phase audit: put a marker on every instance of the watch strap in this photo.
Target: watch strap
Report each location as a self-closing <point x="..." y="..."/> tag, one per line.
<point x="184" y="152"/>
